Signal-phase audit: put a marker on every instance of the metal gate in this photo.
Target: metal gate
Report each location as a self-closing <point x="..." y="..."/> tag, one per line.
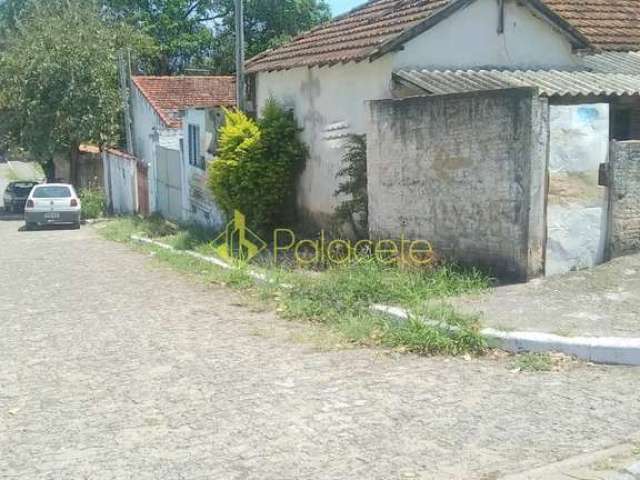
<point x="143" y="189"/>
<point x="169" y="183"/>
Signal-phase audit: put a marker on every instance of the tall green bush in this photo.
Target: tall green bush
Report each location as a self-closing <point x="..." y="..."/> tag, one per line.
<point x="257" y="165"/>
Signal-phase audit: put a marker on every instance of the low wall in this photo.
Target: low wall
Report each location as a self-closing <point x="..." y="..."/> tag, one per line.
<point x="466" y="172"/>
<point x="624" y="184"/>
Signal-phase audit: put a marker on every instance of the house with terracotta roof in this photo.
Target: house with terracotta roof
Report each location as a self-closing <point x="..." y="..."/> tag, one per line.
<point x="419" y="78"/>
<point x="168" y="112"/>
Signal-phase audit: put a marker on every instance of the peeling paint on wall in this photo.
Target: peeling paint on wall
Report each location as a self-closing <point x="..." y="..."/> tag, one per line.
<point x="577" y="205"/>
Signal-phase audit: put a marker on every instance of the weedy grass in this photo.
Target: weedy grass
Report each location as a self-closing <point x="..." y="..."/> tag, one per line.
<point x="120" y="229"/>
<point x="93" y="203"/>
<point x="534" y="362"/>
<point x="340" y="297"/>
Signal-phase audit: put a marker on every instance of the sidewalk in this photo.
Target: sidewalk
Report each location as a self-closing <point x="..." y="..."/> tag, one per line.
<point x="602" y="302"/>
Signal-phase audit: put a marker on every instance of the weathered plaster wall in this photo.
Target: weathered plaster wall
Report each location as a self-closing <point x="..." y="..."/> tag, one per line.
<point x="465" y="172"/>
<point x="198" y="204"/>
<point x="469" y="39"/>
<point x="329" y="101"/>
<point x="577" y="205"/>
<point x="120" y="182"/>
<point x="145" y="120"/>
<point x="624" y="179"/>
<point x="329" y="104"/>
<point x="147" y="126"/>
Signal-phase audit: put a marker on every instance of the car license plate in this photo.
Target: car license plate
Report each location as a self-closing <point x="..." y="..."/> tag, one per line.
<point x="51" y="216"/>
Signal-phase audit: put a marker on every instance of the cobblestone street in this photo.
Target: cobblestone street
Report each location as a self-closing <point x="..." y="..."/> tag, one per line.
<point x="112" y="366"/>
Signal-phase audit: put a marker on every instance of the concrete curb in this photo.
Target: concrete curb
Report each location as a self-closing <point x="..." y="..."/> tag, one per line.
<point x="214" y="261"/>
<point x="608" y="350"/>
<point x="584" y="463"/>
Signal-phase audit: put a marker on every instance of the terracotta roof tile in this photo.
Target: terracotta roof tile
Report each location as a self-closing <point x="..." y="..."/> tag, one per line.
<point x="169" y="95"/>
<point x="606" y="24"/>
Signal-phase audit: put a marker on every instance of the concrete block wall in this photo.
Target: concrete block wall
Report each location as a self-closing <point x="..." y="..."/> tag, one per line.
<point x="466" y="172"/>
<point x="624" y="184"/>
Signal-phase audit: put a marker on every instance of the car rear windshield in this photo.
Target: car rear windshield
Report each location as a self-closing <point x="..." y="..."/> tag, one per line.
<point x="23" y="189"/>
<point x="52" y="192"/>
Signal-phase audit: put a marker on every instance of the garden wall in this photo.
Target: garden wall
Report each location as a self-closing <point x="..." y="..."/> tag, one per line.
<point x="465" y="172"/>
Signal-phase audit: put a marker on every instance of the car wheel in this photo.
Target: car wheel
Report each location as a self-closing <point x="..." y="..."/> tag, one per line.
<point x="76" y="226"/>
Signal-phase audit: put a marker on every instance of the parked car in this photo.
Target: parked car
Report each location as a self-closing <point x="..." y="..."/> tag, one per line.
<point x="16" y="194"/>
<point x="52" y="204"/>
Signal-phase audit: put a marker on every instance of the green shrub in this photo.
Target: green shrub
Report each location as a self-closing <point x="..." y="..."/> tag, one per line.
<point x="355" y="209"/>
<point x="93" y="202"/>
<point x="257" y="164"/>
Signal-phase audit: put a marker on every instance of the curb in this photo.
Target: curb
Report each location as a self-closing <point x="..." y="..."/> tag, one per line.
<point x="607" y="350"/>
<point x="215" y="261"/>
<point x="585" y="464"/>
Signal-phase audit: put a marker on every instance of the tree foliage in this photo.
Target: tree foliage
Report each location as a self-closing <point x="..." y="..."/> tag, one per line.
<point x="192" y="33"/>
<point x="268" y="24"/>
<point x="58" y="80"/>
<point x="257" y="165"/>
<point x="179" y="29"/>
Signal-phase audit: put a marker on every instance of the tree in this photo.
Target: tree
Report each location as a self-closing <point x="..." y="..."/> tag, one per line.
<point x="194" y="33"/>
<point x="58" y="81"/>
<point x="179" y="29"/>
<point x="267" y="24"/>
<point x="201" y="33"/>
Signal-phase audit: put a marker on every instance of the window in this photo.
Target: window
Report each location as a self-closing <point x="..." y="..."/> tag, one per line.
<point x="52" y="192"/>
<point x="195" y="158"/>
<point x="622" y="120"/>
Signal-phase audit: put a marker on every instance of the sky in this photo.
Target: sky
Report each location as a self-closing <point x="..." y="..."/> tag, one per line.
<point x="341" y="6"/>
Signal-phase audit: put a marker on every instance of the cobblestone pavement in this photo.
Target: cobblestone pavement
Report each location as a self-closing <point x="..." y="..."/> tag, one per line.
<point x="113" y="366"/>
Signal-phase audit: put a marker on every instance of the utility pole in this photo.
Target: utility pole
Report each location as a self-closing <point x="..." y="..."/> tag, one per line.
<point x="239" y="55"/>
<point x="124" y="67"/>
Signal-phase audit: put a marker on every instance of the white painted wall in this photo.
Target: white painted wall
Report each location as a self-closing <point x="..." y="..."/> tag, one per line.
<point x="198" y="205"/>
<point x="147" y="127"/>
<point x="469" y="39"/>
<point x="145" y="121"/>
<point x="120" y="182"/>
<point x="329" y="102"/>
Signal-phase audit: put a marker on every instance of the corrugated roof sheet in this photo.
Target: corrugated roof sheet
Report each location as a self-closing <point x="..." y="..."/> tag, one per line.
<point x="613" y="62"/>
<point x="355" y="36"/>
<point x="549" y="82"/>
<point x="169" y="95"/>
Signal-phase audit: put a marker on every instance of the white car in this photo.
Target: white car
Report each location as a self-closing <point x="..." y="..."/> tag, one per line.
<point x="52" y="204"/>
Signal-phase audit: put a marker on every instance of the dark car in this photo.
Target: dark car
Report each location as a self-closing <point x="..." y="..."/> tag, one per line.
<point x="15" y="196"/>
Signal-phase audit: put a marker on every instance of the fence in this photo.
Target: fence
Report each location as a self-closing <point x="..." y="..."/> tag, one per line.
<point x="120" y="181"/>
